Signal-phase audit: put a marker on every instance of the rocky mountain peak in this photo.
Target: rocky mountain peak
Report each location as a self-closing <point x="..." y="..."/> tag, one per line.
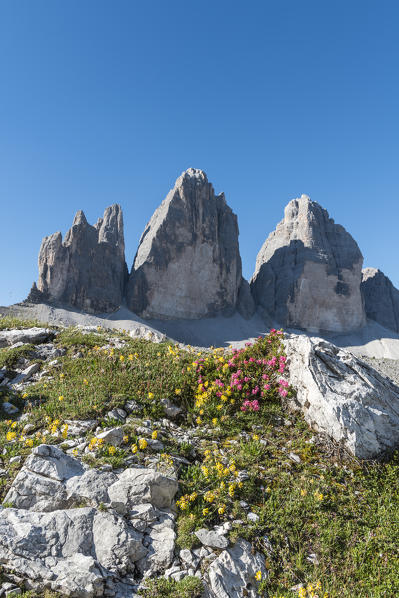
<point x="308" y="271"/>
<point x="87" y="270"/>
<point x="80" y="218"/>
<point x="188" y="263"/>
<point x="381" y="298"/>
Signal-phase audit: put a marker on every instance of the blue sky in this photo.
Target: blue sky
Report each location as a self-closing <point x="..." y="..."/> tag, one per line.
<point x="104" y="102"/>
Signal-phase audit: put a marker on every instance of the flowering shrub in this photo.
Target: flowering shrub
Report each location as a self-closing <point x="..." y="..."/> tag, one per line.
<point x="242" y="380"/>
<point x="215" y="485"/>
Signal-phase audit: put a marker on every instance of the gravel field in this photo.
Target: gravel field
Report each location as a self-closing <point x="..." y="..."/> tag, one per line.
<point x="386" y="367"/>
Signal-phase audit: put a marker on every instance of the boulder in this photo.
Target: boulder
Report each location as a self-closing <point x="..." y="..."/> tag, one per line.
<point x="64" y="531"/>
<point x="87" y="270"/>
<point x="188" y="263"/>
<point x="232" y="574"/>
<point x="308" y="272"/>
<point x="381" y="298"/>
<point x="343" y="396"/>
<point x="33" y="336"/>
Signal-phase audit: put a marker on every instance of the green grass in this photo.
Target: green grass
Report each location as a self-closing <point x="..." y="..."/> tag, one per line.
<point x="12" y="322"/>
<point x="10" y="357"/>
<point x="189" y="587"/>
<point x="344" y="511"/>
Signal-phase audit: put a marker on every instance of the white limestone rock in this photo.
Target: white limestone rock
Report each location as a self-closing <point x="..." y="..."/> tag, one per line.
<point x="27" y="336"/>
<point x="188" y="263"/>
<point x="232" y="574"/>
<point x="138" y="485"/>
<point x="343" y="396"/>
<point x="308" y="272"/>
<point x="93" y="550"/>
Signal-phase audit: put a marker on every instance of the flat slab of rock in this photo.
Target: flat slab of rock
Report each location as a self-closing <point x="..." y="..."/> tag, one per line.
<point x="33" y="336"/>
<point x="211" y="538"/>
<point x="232" y="574"/>
<point x="26" y="374"/>
<point x="92" y="550"/>
<point x="343" y="396"/>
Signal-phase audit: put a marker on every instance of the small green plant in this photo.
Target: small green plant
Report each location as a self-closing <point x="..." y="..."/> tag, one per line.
<point x="189" y="587"/>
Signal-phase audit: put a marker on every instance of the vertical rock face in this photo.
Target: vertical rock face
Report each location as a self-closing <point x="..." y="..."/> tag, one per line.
<point x="188" y="263"/>
<point x="308" y="272"/>
<point x="87" y="270"/>
<point x="381" y="298"/>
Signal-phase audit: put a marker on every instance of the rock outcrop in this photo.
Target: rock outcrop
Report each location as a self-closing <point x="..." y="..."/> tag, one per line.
<point x="381" y="298"/>
<point x="188" y="263"/>
<point x="308" y="272"/>
<point x="50" y="540"/>
<point x="343" y="396"/>
<point x="87" y="270"/>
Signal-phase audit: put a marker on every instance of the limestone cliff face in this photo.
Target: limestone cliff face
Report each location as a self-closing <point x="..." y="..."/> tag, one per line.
<point x="87" y="270"/>
<point x="308" y="272"/>
<point x="381" y="298"/>
<point x="188" y="263"/>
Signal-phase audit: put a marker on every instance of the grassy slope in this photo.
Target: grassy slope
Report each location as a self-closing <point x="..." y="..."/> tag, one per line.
<point x="343" y="511"/>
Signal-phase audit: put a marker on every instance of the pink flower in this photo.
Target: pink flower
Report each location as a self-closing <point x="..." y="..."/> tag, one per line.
<point x="282" y="392"/>
<point x="267" y="387"/>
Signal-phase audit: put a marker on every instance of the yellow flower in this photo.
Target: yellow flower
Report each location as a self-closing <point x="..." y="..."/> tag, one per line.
<point x="205" y="470"/>
<point x="121" y="358"/>
<point x="150" y="395"/>
<point x="130" y="357"/>
<point x="255" y="437"/>
<point x="75" y="452"/>
<point x="62" y="375"/>
<point x="221" y="509"/>
<point x="24" y="395"/>
<point x="85" y="381"/>
<point x="177" y="391"/>
<point x="125" y="439"/>
<point x="215" y="421"/>
<point x="154" y="435"/>
<point x="29" y="442"/>
<point x="193" y="496"/>
<point x="143" y="443"/>
<point x="61" y="398"/>
<point x="205" y="511"/>
<point x="304" y="492"/>
<point x="198" y="420"/>
<point x="209" y="496"/>
<point x="111" y="450"/>
<point x="134" y="449"/>
<point x="258" y="575"/>
<point x="318" y="495"/>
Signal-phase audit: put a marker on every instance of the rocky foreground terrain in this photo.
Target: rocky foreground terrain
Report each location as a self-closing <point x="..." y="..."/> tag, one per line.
<point x="141" y="467"/>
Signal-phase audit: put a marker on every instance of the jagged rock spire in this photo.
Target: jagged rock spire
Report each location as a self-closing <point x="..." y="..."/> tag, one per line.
<point x="88" y="269"/>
